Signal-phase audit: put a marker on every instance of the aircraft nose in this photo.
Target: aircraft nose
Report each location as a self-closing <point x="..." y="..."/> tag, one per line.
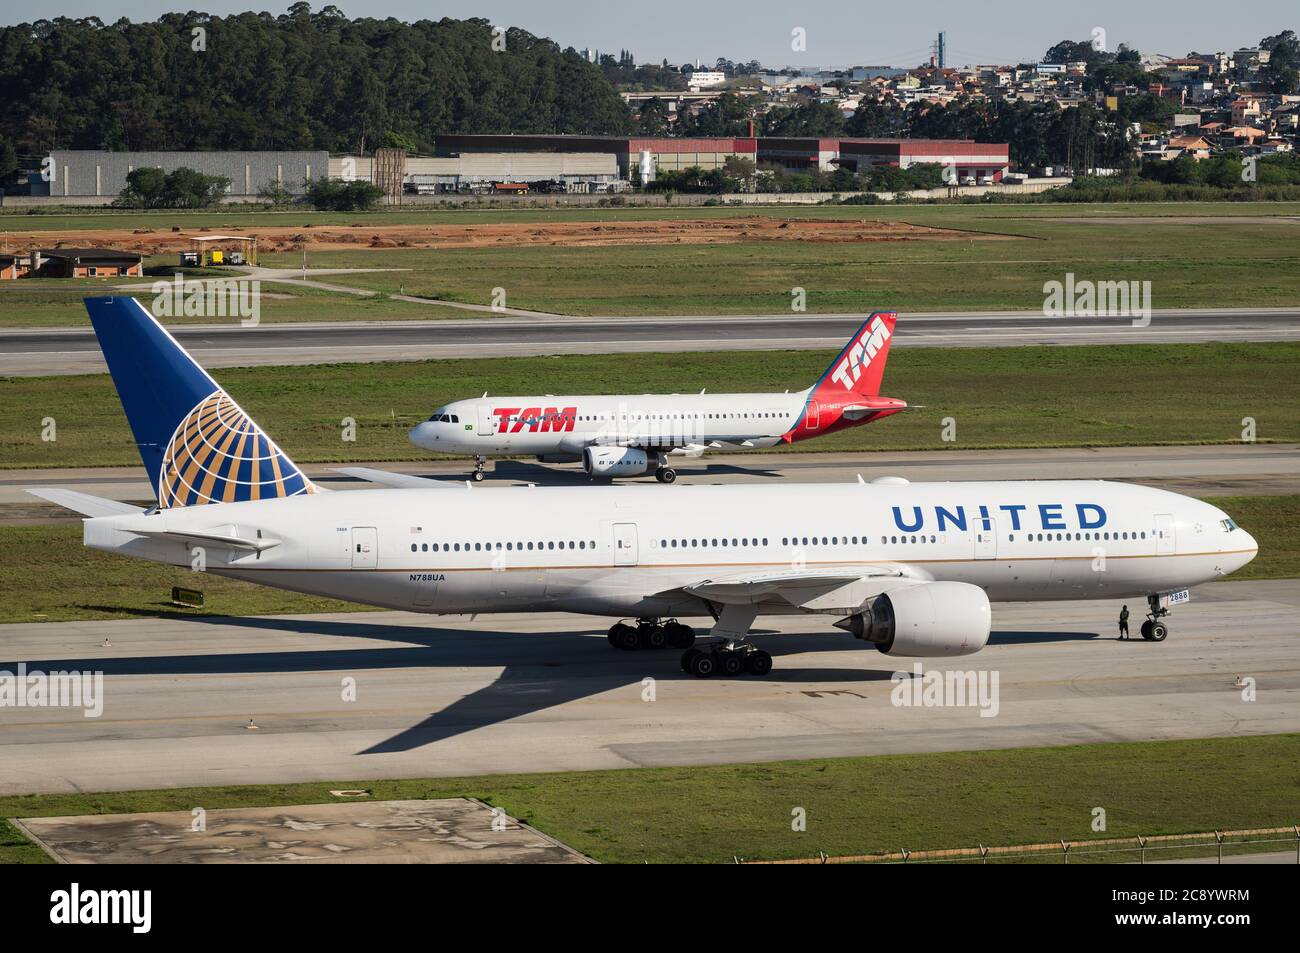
<point x="1251" y="545"/>
<point x="422" y="435"/>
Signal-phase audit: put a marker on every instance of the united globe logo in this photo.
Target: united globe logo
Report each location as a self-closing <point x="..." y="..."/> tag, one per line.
<point x="218" y="455"/>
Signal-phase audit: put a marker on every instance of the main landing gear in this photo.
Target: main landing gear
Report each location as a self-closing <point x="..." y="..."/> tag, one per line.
<point x="729" y="657"/>
<point x="480" y="463"/>
<point x="666" y="475"/>
<point x="1153" y="629"/>
<point x="651" y="634"/>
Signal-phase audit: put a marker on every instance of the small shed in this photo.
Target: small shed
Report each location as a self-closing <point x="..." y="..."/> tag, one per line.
<point x="221" y="250"/>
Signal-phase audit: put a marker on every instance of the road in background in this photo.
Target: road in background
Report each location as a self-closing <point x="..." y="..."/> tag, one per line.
<point x="33" y="352"/>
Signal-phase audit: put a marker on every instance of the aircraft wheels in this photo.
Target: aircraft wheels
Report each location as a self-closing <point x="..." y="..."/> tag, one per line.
<point x="623" y="636"/>
<point x="478" y="476"/>
<point x="1146" y="630"/>
<point x="731" y="664"/>
<point x="1159" y="632"/>
<point x="666" y="475"/>
<point x="703" y="664"/>
<point x="679" y="636"/>
<point x="728" y="662"/>
<point x="651" y="636"/>
<point x="758" y="663"/>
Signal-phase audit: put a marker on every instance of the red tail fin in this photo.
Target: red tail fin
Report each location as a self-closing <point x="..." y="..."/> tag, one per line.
<point x="860" y="367"/>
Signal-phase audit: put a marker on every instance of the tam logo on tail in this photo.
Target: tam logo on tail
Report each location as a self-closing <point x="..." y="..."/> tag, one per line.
<point x="857" y="368"/>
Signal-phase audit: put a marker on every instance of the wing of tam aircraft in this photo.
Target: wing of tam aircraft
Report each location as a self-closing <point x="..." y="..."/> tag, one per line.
<point x="388" y="478"/>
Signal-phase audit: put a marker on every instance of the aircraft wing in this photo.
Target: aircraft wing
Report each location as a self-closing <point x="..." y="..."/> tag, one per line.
<point x="388" y="478"/>
<point x="83" y="503"/>
<point x="821" y="590"/>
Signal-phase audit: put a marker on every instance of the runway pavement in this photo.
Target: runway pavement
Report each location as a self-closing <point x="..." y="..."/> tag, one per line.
<point x="527" y="693"/>
<point x="1227" y="470"/>
<point x="28" y="352"/>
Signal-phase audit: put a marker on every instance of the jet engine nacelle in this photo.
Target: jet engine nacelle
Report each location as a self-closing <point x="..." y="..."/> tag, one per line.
<point x="930" y="619"/>
<point x="618" y="461"/>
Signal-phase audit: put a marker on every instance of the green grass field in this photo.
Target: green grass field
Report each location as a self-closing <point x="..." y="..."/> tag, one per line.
<point x="853" y="805"/>
<point x="1246" y="256"/>
<point x="50" y="577"/>
<point x="1189" y="265"/>
<point x="1000" y="397"/>
<point x="50" y="303"/>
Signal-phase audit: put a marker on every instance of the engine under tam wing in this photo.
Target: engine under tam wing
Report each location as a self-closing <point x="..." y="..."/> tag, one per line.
<point x="835" y="589"/>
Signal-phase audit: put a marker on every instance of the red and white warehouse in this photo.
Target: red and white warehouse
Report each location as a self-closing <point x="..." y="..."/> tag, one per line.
<point x="971" y="158"/>
<point x="976" y="159"/>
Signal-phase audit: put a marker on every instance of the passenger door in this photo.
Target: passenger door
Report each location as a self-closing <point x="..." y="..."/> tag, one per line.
<point x="1165" y="542"/>
<point x="625" y="544"/>
<point x="365" y="547"/>
<point x="986" y="539"/>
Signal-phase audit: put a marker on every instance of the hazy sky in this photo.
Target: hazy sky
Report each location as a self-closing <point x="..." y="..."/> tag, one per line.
<point x="838" y="34"/>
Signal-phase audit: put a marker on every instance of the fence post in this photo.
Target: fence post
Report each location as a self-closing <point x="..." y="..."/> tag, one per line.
<point x="984" y="854"/>
<point x="906" y="853"/>
<point x="1142" y="844"/>
<point x="1065" y="852"/>
<point x="1219" y="837"/>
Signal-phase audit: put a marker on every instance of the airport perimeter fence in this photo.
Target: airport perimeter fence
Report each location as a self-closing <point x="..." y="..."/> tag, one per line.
<point x="1139" y="849"/>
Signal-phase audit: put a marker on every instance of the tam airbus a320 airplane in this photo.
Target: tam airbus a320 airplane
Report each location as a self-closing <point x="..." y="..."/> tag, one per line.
<point x="626" y="435"/>
<point x="909" y="568"/>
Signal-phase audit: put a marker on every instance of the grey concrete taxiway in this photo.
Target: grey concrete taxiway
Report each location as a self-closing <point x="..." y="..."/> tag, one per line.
<point x="354" y="831"/>
<point x="75" y="350"/>
<point x="527" y="693"/>
<point x="1226" y="470"/>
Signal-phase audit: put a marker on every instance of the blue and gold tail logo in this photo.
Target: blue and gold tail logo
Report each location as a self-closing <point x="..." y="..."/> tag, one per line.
<point x="218" y="455"/>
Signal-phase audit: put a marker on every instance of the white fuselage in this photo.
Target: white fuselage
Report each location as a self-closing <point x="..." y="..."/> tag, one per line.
<point x="628" y="550"/>
<point x="563" y="426"/>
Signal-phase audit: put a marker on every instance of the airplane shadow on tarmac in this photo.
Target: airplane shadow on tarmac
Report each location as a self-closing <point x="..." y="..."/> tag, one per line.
<point x="538" y="670"/>
<point x="525" y="471"/>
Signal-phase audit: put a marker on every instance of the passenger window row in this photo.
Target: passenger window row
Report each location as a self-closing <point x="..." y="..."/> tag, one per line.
<point x="547" y="545"/>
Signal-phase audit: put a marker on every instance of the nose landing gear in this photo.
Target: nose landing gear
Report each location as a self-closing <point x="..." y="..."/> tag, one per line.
<point x="480" y="463"/>
<point x="1153" y="629"/>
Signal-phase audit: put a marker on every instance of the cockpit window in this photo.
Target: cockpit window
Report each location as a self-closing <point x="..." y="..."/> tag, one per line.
<point x="1228" y="525"/>
<point x="440" y="418"/>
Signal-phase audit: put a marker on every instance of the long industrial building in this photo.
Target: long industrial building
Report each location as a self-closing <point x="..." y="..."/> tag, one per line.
<point x="102" y="173"/>
<point x="980" y="160"/>
<point x="566" y="163"/>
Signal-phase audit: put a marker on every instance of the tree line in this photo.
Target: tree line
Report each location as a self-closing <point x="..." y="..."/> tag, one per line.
<point x="299" y="80"/>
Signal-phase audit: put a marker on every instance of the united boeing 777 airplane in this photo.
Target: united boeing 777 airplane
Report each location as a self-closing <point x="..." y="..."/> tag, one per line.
<point x="909" y="568"/>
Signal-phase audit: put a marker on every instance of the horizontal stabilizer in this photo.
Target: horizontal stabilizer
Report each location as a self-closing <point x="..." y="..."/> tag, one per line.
<point x="209" y="539"/>
<point x="388" y="478"/>
<point x="83" y="503"/>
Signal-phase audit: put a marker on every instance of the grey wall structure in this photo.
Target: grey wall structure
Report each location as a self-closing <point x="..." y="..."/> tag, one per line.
<point x="104" y="173"/>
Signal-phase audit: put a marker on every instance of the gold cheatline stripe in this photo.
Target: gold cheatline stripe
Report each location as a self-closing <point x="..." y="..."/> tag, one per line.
<point x="845" y="564"/>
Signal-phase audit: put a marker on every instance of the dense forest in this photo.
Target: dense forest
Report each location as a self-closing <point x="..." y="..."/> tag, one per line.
<point x="295" y="81"/>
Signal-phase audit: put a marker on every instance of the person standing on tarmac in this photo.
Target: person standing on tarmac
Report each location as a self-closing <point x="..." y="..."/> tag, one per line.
<point x="1123" y="623"/>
